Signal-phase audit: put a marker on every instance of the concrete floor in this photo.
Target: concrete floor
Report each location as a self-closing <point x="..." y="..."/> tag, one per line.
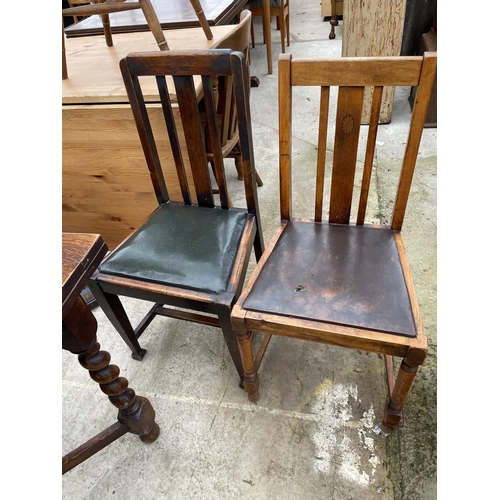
<point x="311" y="435"/>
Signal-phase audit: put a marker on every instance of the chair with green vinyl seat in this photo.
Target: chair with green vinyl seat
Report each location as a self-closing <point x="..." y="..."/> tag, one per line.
<point x="189" y="258"/>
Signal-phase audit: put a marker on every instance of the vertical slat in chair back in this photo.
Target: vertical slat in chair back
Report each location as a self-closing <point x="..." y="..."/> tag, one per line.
<point x="345" y="149"/>
<point x="143" y="124"/>
<point x="237" y="40"/>
<point x="200" y="170"/>
<point x="353" y="77"/>
<point x="188" y="106"/>
<point x="187" y="68"/>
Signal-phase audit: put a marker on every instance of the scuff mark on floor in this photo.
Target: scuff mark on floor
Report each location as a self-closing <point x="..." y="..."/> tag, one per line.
<point x="335" y="450"/>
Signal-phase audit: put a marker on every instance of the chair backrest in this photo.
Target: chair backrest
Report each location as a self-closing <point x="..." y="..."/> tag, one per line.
<point x="351" y="76"/>
<point x="237" y="40"/>
<point x="186" y="68"/>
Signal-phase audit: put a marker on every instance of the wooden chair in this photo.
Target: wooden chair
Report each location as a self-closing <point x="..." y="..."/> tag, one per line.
<point x="337" y="10"/>
<point x="76" y="3"/>
<point x="238" y="40"/>
<point x="191" y="255"/>
<point x="106" y="7"/>
<point x="340" y="281"/>
<point x="279" y="9"/>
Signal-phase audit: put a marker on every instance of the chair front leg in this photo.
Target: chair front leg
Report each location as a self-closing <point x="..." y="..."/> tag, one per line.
<point x="224" y="314"/>
<point x="250" y="377"/>
<point x="114" y="311"/>
<point x="397" y="397"/>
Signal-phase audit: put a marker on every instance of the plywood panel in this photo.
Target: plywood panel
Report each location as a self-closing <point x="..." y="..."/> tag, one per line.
<point x="374" y="28"/>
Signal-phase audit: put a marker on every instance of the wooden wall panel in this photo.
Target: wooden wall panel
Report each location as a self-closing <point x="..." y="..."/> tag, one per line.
<point x="374" y="28"/>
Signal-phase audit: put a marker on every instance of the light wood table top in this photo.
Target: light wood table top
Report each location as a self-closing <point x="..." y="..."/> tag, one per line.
<point x="172" y="14"/>
<point x="93" y="68"/>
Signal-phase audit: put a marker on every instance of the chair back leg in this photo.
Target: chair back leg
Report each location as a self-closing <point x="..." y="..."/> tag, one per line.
<point x="64" y="63"/>
<point x="202" y="18"/>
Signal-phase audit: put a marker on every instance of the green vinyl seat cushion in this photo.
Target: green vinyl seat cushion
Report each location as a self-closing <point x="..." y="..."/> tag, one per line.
<point x="182" y="246"/>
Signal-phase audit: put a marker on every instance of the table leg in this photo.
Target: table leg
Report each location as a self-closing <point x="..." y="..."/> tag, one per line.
<point x="267" y="34"/>
<point x="333" y="20"/>
<point x="136" y="415"/>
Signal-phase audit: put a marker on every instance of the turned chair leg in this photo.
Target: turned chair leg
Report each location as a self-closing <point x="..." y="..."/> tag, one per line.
<point x="250" y="377"/>
<point x="397" y="397"/>
<point x="107" y="30"/>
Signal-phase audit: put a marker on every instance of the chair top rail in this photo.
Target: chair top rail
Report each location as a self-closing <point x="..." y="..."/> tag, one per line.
<point x="180" y="63"/>
<point x="357" y="71"/>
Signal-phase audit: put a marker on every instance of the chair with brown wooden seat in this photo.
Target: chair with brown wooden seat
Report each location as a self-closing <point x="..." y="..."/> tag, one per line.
<point x="238" y="40"/>
<point x="187" y="257"/>
<point x="106" y="7"/>
<point x="341" y="281"/>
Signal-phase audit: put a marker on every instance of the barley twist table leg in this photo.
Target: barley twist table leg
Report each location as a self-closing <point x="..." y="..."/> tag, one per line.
<point x="134" y="411"/>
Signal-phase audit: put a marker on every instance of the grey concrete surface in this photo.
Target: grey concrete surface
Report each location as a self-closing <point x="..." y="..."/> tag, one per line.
<point x="311" y="435"/>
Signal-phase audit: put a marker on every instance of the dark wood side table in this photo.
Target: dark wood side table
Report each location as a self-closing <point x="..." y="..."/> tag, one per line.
<point x="172" y="14"/>
<point x="81" y="254"/>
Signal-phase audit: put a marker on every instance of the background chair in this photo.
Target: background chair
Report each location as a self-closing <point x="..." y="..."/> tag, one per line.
<point x="341" y="281"/>
<point x="191" y="255"/>
<point x="238" y="40"/>
<point x="106" y="7"/>
<point x="76" y="3"/>
<point x="280" y="10"/>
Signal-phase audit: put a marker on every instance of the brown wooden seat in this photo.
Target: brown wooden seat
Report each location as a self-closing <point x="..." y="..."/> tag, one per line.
<point x="188" y="257"/>
<point x="238" y="40"/>
<point x="341" y="281"/>
<point x="106" y="7"/>
<point x="279" y="9"/>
